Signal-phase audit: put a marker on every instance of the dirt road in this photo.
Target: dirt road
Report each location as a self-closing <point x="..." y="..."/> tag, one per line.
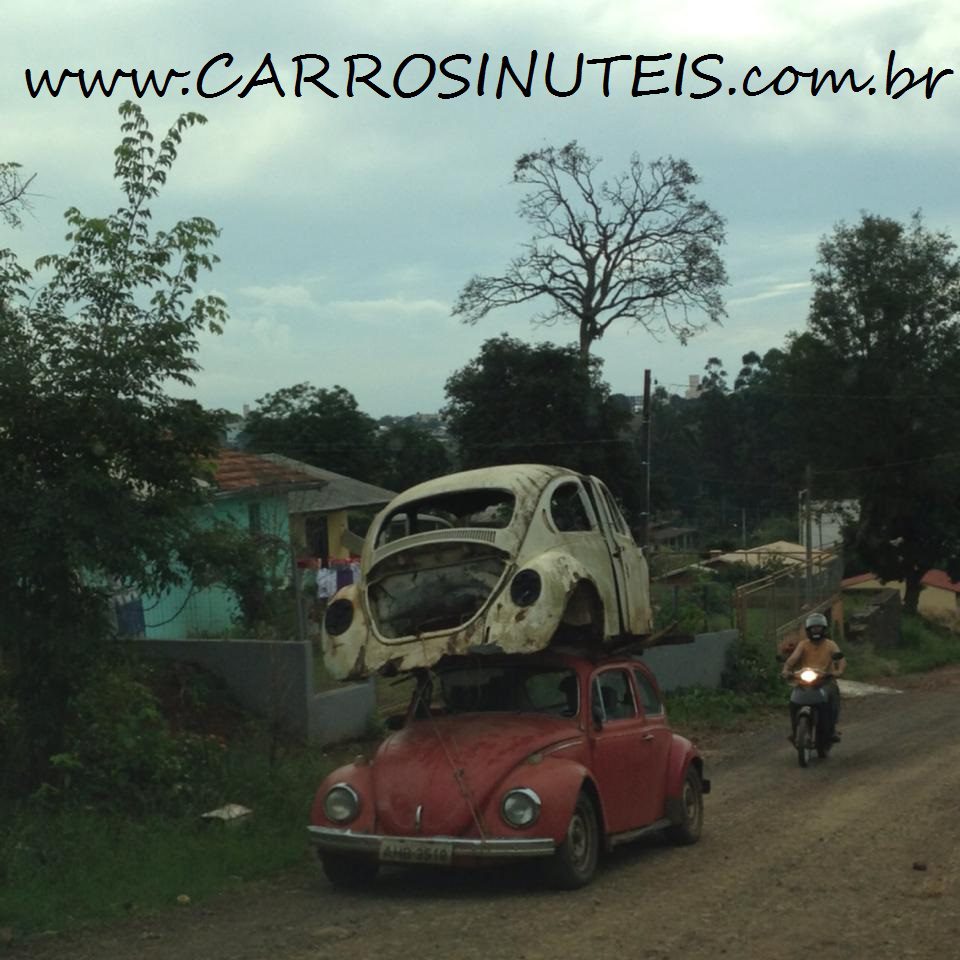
<point x="857" y="856"/>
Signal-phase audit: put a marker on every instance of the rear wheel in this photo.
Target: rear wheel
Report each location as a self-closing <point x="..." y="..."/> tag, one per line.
<point x="349" y="872"/>
<point x="575" y="862"/>
<point x="804" y="737"/>
<point x="688" y="830"/>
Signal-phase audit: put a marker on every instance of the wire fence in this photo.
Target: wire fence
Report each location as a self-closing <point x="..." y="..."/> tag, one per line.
<point x="767" y="608"/>
<point x="763" y="597"/>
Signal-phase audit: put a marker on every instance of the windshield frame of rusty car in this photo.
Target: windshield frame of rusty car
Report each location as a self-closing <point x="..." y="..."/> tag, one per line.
<point x="472" y="508"/>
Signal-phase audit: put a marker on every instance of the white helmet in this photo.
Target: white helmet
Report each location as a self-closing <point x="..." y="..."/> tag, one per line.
<point x="816" y="627"/>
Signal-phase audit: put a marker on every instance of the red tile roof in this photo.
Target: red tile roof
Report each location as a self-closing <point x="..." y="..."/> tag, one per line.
<point x="236" y="470"/>
<point x="938" y="578"/>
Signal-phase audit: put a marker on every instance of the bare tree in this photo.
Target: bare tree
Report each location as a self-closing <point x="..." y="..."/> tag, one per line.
<point x="13" y="193"/>
<point x="640" y="248"/>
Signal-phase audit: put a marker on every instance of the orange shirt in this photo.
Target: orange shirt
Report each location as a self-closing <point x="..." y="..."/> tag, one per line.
<point x="819" y="656"/>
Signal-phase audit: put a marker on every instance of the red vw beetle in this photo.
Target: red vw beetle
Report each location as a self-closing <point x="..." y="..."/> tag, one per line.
<point x="499" y="758"/>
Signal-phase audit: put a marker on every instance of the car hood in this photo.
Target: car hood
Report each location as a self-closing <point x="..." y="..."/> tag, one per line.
<point x="438" y="764"/>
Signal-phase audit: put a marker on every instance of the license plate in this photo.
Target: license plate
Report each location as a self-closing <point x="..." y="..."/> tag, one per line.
<point x="415" y="851"/>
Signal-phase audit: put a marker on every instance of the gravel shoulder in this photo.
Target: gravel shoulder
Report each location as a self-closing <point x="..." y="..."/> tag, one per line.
<point x="858" y="855"/>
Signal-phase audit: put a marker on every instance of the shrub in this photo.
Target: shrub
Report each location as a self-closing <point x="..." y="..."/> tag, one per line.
<point x="121" y="754"/>
<point x="751" y="668"/>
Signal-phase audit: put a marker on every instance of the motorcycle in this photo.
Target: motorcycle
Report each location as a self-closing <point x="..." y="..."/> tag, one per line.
<point x="813" y="730"/>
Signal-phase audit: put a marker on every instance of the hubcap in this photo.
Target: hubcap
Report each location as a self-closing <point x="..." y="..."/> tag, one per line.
<point x="579" y="838"/>
<point x="691" y="808"/>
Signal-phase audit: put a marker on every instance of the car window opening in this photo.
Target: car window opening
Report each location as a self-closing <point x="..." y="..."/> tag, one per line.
<point x="513" y="688"/>
<point x="462" y="510"/>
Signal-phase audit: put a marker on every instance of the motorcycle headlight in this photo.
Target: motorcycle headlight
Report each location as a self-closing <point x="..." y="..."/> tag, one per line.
<point x="520" y="808"/>
<point x="808" y="675"/>
<point x="341" y="804"/>
<point x="525" y="588"/>
<point x="338" y="617"/>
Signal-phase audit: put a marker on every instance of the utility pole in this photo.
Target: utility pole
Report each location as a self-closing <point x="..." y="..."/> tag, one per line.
<point x="645" y="461"/>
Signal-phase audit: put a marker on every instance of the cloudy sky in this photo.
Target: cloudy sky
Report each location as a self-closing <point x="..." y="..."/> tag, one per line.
<point x="350" y="223"/>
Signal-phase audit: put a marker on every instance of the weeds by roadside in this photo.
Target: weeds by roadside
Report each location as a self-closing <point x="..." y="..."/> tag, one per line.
<point x="924" y="646"/>
<point x="64" y="865"/>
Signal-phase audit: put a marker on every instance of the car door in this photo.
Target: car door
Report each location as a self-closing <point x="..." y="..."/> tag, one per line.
<point x="573" y="521"/>
<point x="617" y="760"/>
<point x="625" y="590"/>
<point x="656" y="739"/>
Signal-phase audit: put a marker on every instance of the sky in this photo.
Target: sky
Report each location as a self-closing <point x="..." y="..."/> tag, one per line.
<point x="349" y="224"/>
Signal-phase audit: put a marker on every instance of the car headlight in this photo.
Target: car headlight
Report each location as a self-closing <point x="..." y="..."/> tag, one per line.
<point x="342" y="803"/>
<point x="525" y="588"/>
<point x="338" y="617"/>
<point x="520" y="808"/>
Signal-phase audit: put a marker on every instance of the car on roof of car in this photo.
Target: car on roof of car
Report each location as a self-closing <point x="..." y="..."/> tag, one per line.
<point x="552" y="756"/>
<point x="502" y="559"/>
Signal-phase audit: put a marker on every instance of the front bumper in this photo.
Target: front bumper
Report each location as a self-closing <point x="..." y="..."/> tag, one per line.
<point x="337" y="840"/>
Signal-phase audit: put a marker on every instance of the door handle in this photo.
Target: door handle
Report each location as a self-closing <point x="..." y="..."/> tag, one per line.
<point x="648" y="736"/>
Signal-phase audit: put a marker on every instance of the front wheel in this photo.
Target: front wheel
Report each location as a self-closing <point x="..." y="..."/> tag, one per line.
<point x="575" y="862"/>
<point x="824" y="735"/>
<point x="688" y="829"/>
<point x="803" y="739"/>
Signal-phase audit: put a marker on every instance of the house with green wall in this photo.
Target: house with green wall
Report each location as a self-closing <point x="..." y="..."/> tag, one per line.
<point x="305" y="509"/>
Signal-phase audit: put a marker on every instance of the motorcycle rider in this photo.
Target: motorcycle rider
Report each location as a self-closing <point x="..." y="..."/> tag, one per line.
<point x="816" y="651"/>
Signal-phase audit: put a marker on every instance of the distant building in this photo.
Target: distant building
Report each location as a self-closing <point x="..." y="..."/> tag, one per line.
<point x="939" y="596"/>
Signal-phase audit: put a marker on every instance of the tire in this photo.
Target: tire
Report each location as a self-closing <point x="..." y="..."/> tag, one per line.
<point x="824" y="736"/>
<point x="689" y="829"/>
<point x="575" y="862"/>
<point x="351" y="873"/>
<point x="803" y="736"/>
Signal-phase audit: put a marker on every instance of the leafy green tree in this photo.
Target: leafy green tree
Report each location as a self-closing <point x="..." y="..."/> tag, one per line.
<point x="409" y="455"/>
<point x="100" y="468"/>
<point x="885" y="319"/>
<point x="640" y="248"/>
<point x="541" y="403"/>
<point x="322" y="427"/>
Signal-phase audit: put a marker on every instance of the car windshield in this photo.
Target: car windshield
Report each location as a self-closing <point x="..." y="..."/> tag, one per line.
<point x="523" y="688"/>
<point x="463" y="509"/>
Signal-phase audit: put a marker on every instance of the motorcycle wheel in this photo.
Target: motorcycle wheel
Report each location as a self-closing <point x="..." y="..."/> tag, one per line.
<point x="803" y="738"/>
<point x="824" y="735"/>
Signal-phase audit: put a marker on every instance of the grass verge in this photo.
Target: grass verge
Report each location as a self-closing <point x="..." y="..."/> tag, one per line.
<point x="71" y="866"/>
<point x="923" y="646"/>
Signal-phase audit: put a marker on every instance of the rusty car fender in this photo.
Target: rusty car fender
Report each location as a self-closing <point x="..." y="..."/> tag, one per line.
<point x="340" y="653"/>
<point x="560" y="575"/>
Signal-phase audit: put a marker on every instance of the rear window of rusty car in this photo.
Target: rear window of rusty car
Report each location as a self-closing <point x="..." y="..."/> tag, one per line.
<point x="462" y="509"/>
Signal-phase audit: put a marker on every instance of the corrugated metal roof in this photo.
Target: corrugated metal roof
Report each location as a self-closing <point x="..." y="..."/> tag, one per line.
<point x="789" y="553"/>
